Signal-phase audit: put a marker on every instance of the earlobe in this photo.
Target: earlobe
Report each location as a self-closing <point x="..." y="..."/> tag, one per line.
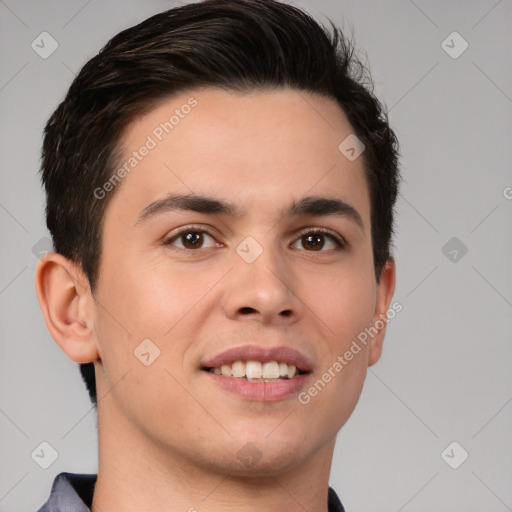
<point x="67" y="306"/>
<point x="385" y="291"/>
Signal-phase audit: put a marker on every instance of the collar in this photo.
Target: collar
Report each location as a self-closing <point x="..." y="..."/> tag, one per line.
<point x="72" y="492"/>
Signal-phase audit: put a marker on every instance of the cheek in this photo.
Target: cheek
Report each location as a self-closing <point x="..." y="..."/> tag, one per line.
<point x="132" y="306"/>
<point x="143" y="301"/>
<point x="156" y="301"/>
<point x="345" y="302"/>
<point x="131" y="310"/>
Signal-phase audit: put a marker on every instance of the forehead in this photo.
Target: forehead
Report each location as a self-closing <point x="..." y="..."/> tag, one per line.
<point x="260" y="149"/>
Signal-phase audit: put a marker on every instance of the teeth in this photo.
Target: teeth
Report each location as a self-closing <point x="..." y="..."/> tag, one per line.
<point x="255" y="370"/>
<point x="238" y="369"/>
<point x="271" y="370"/>
<point x="226" y="370"/>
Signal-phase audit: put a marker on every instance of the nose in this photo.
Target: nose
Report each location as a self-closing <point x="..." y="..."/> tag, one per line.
<point x="262" y="290"/>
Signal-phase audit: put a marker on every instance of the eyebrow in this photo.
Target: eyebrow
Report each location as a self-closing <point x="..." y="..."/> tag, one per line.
<point x="307" y="206"/>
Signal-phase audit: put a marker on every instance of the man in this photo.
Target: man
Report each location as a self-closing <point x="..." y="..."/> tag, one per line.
<point x="220" y="189"/>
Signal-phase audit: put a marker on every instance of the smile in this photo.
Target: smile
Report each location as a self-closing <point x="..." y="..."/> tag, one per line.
<point x="257" y="371"/>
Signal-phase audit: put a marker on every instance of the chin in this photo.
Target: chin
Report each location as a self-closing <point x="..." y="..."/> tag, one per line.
<point x="251" y="461"/>
<point x="274" y="454"/>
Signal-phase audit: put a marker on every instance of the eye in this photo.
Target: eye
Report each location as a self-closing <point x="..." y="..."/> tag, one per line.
<point x="314" y="240"/>
<point x="191" y="238"/>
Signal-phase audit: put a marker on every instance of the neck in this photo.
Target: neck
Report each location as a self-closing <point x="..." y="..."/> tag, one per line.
<point x="135" y="474"/>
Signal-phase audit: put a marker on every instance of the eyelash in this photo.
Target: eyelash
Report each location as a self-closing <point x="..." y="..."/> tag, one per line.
<point x="338" y="240"/>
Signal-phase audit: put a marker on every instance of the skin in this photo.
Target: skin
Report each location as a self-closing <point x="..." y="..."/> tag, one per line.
<point x="168" y="437"/>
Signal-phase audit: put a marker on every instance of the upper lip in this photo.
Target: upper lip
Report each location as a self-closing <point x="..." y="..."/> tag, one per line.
<point x="280" y="354"/>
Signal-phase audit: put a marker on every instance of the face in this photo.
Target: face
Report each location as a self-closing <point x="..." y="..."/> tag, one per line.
<point x="271" y="270"/>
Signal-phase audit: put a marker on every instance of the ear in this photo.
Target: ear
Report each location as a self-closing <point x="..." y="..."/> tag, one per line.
<point x="67" y="305"/>
<point x="385" y="290"/>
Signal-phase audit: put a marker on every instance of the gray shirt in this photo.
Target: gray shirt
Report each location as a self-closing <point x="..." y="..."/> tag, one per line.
<point x="73" y="492"/>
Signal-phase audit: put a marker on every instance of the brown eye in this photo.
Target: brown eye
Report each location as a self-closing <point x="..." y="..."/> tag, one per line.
<point x="191" y="239"/>
<point x="320" y="240"/>
<point x="313" y="242"/>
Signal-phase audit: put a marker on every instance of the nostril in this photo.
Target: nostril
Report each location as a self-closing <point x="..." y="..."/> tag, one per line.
<point x="286" y="312"/>
<point x="246" y="310"/>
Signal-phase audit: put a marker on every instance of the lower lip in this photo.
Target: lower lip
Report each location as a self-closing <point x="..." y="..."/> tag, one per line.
<point x="261" y="391"/>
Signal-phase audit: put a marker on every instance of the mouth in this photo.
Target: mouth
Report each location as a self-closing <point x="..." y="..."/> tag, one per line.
<point x="259" y="373"/>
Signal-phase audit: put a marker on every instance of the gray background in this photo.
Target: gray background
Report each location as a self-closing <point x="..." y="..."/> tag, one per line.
<point x="445" y="373"/>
